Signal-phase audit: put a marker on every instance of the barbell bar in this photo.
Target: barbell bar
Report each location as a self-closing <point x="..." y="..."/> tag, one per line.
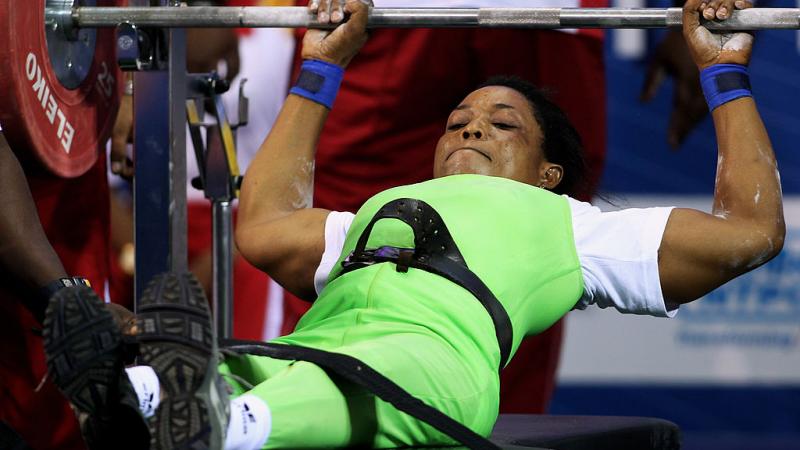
<point x="535" y="18"/>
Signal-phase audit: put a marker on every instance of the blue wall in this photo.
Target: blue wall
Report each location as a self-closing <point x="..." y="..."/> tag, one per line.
<point x="639" y="159"/>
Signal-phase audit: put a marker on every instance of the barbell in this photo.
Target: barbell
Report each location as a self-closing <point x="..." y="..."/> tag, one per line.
<point x="60" y="77"/>
<point x="538" y="18"/>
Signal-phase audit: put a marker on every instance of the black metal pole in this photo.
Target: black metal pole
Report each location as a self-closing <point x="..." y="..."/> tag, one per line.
<point x="160" y="165"/>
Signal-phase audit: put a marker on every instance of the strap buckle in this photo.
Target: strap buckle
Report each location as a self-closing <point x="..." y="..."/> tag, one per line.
<point x="403" y="257"/>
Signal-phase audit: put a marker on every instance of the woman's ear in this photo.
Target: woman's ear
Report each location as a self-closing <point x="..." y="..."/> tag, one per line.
<point x="550" y="175"/>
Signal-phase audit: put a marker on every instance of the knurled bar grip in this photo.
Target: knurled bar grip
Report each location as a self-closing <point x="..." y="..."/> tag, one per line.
<point x="541" y="18"/>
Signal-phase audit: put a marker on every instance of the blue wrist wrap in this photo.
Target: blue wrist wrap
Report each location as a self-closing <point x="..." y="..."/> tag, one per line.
<point x="318" y="81"/>
<point x="724" y="82"/>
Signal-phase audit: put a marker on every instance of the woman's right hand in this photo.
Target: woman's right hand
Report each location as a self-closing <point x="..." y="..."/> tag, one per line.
<point x="340" y="45"/>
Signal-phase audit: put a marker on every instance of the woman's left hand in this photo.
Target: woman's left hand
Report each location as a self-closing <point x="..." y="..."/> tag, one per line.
<point x="709" y="48"/>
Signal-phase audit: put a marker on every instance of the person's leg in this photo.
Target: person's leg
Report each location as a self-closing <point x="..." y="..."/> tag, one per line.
<point x="299" y="405"/>
<point x="312" y="407"/>
<point x="243" y="372"/>
<point x="295" y="404"/>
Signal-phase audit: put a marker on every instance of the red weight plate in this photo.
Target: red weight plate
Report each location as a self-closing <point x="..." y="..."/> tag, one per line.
<point x="64" y="128"/>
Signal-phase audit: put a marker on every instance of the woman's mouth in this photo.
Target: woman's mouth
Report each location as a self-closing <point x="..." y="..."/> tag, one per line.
<point x="485" y="155"/>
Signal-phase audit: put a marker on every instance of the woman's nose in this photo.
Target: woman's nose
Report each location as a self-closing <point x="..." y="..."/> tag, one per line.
<point x="477" y="134"/>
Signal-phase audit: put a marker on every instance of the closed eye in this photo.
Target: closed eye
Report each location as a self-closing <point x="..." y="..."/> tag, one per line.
<point x="504" y="126"/>
<point x="455" y="126"/>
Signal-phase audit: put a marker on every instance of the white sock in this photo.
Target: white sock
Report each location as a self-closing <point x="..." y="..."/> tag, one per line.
<point x="250" y="423"/>
<point x="148" y="389"/>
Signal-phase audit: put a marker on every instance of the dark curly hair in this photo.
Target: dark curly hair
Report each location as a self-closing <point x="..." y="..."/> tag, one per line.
<point x="561" y="143"/>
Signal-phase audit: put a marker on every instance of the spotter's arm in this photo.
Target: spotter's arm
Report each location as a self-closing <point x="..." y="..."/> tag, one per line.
<point x="25" y="252"/>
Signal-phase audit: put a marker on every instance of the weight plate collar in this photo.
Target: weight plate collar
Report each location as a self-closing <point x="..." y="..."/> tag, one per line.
<point x="71" y="51"/>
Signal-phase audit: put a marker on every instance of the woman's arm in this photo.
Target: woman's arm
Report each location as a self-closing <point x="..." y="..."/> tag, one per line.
<point x="700" y="252"/>
<point x="277" y="230"/>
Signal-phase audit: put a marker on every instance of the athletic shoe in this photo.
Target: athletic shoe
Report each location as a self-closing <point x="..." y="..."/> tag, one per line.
<point x="85" y="357"/>
<point x="178" y="341"/>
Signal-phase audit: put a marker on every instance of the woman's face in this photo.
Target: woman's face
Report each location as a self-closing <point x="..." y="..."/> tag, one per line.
<point x="493" y="132"/>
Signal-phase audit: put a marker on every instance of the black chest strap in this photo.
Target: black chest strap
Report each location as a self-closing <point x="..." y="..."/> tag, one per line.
<point x="436" y="252"/>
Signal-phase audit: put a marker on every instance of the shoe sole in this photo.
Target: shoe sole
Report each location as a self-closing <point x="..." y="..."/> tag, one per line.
<point x="178" y="341"/>
<point x="84" y="354"/>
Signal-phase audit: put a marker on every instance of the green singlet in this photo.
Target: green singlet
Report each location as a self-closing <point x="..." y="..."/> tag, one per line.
<point x="425" y="333"/>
